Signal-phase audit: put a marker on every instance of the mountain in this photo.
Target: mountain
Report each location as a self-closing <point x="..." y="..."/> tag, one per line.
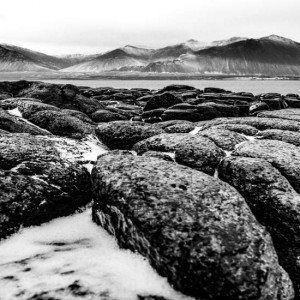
<point x="113" y="60"/>
<point x="267" y="56"/>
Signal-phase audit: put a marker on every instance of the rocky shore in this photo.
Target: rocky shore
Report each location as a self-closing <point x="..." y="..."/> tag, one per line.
<point x="202" y="183"/>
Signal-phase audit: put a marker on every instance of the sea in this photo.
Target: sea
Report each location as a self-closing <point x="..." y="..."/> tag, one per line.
<point x="253" y="85"/>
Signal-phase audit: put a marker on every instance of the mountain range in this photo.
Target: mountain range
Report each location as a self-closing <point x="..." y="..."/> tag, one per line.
<point x="267" y="56"/>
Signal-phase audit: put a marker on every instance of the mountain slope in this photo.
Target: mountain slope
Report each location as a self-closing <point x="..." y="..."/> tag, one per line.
<point x="270" y="56"/>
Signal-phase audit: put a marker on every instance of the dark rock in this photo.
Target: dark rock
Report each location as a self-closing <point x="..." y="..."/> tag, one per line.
<point x="239" y="128"/>
<point x="292" y="96"/>
<point x="153" y="113"/>
<point x="258" y="106"/>
<point x="275" y="104"/>
<point x="176" y="87"/>
<point x="12" y="103"/>
<point x="79" y="115"/>
<point x="286" y="114"/>
<point x="106" y="116"/>
<point x="192" y="231"/>
<point x="13" y="124"/>
<point x="293" y="102"/>
<point x="37" y="183"/>
<point x="274" y="203"/>
<point x="61" y="124"/>
<point x="5" y="96"/>
<point x="193" y="151"/>
<point x="164" y="100"/>
<point x="225" y="139"/>
<point x="283" y="156"/>
<point x="214" y="90"/>
<point x="123" y="135"/>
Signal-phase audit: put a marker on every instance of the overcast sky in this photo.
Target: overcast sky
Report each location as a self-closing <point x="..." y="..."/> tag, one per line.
<point x="93" y="26"/>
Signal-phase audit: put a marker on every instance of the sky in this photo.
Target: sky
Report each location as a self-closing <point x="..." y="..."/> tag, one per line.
<point x="95" y="26"/>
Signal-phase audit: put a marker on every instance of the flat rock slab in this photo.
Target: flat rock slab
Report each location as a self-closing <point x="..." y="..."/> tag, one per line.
<point x="194" y="151"/>
<point x="124" y="134"/>
<point x="194" y="229"/>
<point x="286" y="136"/>
<point x="287" y="114"/>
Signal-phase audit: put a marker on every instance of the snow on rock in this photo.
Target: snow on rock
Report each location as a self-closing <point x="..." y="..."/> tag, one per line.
<point x="15" y="112"/>
<point x="73" y="255"/>
<point x="196" y="130"/>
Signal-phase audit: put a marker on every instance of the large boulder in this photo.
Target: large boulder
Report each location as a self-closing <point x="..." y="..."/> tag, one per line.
<point x="198" y="233"/>
<point x="290" y="137"/>
<point x="164" y="100"/>
<point x="61" y="124"/>
<point x="194" y="151"/>
<point x="124" y="134"/>
<point x="40" y="178"/>
<point x="274" y="202"/>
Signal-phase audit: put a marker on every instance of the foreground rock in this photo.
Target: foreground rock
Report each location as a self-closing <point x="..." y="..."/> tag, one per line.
<point x="194" y="151"/>
<point x="198" y="233"/>
<point x="41" y="178"/>
<point x="123" y="135"/>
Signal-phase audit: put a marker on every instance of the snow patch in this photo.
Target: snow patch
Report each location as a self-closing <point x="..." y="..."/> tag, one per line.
<point x="15" y="112"/>
<point x="196" y="130"/>
<point x="74" y="249"/>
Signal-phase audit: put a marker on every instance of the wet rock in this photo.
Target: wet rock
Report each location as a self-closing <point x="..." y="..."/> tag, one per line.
<point x="274" y="203"/>
<point x="102" y="115"/>
<point x="61" y="124"/>
<point x="123" y="135"/>
<point x="286" y="136"/>
<point x="283" y="156"/>
<point x="258" y="106"/>
<point x="164" y="100"/>
<point x="37" y="182"/>
<point x="194" y="151"/>
<point x="192" y="231"/>
<point x="225" y="139"/>
<point x="13" y="124"/>
<point x="160" y="155"/>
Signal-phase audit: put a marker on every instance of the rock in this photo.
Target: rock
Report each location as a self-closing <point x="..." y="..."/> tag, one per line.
<point x="38" y="181"/>
<point x="192" y="231"/>
<point x="274" y="203"/>
<point x="166" y="124"/>
<point x="176" y="87"/>
<point x="292" y="102"/>
<point x="286" y="114"/>
<point x="164" y="100"/>
<point x="275" y="103"/>
<point x="239" y="128"/>
<point x="286" y="136"/>
<point x="28" y="108"/>
<point x="160" y="155"/>
<point x="201" y="112"/>
<point x="3" y="132"/>
<point x="5" y="96"/>
<point x="123" y="135"/>
<point x="180" y="128"/>
<point x="258" y="106"/>
<point x="79" y="115"/>
<point x="61" y="124"/>
<point x="193" y="151"/>
<point x="214" y="90"/>
<point x="258" y="123"/>
<point x="225" y="139"/>
<point x="102" y="115"/>
<point x="12" y="103"/>
<point x="11" y="123"/>
<point x="154" y="113"/>
<point x="283" y="156"/>
<point x="292" y="96"/>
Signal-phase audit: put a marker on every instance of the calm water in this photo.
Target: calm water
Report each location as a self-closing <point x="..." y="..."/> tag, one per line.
<point x="253" y="86"/>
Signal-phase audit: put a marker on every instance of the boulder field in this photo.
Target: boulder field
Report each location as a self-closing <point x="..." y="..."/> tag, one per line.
<point x="203" y="183"/>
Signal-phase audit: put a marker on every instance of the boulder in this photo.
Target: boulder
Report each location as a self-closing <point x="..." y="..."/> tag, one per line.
<point x="214" y="90"/>
<point x="286" y="136"/>
<point x="274" y="203"/>
<point x="258" y="106"/>
<point x="164" y="100"/>
<point x="194" y="151"/>
<point x="38" y="182"/>
<point x="12" y="123"/>
<point x="102" y="115"/>
<point x="176" y="87"/>
<point x="61" y="124"/>
<point x="180" y="128"/>
<point x="79" y="115"/>
<point x="160" y="155"/>
<point x="198" y="233"/>
<point x="124" y="134"/>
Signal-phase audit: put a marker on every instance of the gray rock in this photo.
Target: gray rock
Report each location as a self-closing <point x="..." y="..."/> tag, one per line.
<point x="102" y="115"/>
<point x="193" y="151"/>
<point x="124" y="134"/>
<point x="194" y="229"/>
